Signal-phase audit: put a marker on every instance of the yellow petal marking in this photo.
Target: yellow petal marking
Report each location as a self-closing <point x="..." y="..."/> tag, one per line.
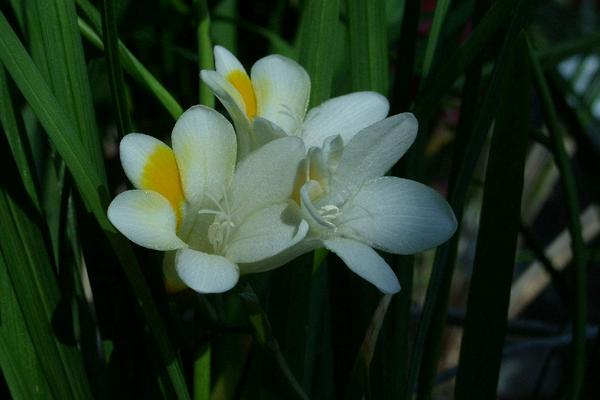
<point x="240" y="81"/>
<point x="161" y="175"/>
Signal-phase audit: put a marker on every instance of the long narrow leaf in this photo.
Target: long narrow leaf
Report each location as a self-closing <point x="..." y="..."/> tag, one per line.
<point x="437" y="290"/>
<point x="36" y="289"/>
<point x="368" y="45"/>
<point x="64" y="137"/>
<point x="489" y="294"/>
<point x="130" y="63"/>
<point x="68" y="72"/>
<point x="318" y="38"/>
<point x="439" y="16"/>
<point x="17" y="141"/>
<point x="580" y="255"/>
<point x="115" y="74"/>
<point x="18" y="360"/>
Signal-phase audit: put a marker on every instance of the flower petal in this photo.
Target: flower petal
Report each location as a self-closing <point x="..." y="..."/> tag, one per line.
<point x="398" y="215"/>
<point x="205" y="148"/>
<point x="150" y="164"/>
<point x="146" y="218"/>
<point x="344" y="116"/>
<point x="373" y="151"/>
<point x="233" y="72"/>
<point x="264" y="131"/>
<point x="282" y="90"/>
<point x="266" y="176"/>
<point x="234" y="104"/>
<point x="365" y="262"/>
<point x="264" y="234"/>
<point x="206" y="273"/>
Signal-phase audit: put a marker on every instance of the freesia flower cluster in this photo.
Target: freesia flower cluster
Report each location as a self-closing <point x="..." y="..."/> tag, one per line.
<point x="224" y="202"/>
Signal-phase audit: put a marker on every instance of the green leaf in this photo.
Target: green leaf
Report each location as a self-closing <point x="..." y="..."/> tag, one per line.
<point x="264" y="336"/>
<point x="17" y="140"/>
<point x="580" y="254"/>
<point x="64" y="136"/>
<point x="130" y="63"/>
<point x="67" y="70"/>
<point x="443" y="75"/>
<point x="557" y="52"/>
<point x="359" y="378"/>
<point x="32" y="276"/>
<point x="318" y="41"/>
<point x="368" y="45"/>
<point x="18" y="359"/>
<point x="205" y="51"/>
<point x="115" y="73"/>
<point x="435" y="305"/>
<point x="439" y="16"/>
<point x="489" y="293"/>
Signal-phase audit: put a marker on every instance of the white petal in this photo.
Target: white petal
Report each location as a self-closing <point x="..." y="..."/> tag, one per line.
<point x="205" y="148"/>
<point x="146" y="218"/>
<point x="282" y="89"/>
<point x="266" y="176"/>
<point x="365" y="262"/>
<point x="264" y="131"/>
<point x="226" y="62"/>
<point x="398" y="215"/>
<point x="373" y="151"/>
<point x="234" y="104"/>
<point x="344" y="116"/>
<point x="135" y="151"/>
<point x="266" y="233"/>
<point x="206" y="273"/>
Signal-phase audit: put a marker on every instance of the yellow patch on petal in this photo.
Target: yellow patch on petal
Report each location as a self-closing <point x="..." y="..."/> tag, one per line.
<point x="161" y="175"/>
<point x="240" y="81"/>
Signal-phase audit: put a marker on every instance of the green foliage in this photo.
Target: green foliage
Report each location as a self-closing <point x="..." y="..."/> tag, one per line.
<point x="84" y="313"/>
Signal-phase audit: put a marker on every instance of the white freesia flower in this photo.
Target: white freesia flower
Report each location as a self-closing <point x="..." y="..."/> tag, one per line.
<point x="352" y="208"/>
<point x="272" y="102"/>
<point x="220" y="220"/>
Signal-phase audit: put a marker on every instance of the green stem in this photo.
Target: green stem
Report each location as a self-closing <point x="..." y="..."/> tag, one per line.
<point x="202" y="372"/>
<point x="563" y="163"/>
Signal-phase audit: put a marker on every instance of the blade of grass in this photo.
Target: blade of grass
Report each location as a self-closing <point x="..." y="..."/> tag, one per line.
<point x="130" y="63"/>
<point x="202" y="373"/>
<point x="443" y="75"/>
<point x="577" y="244"/>
<point x="437" y="291"/>
<point x="94" y="193"/>
<point x="205" y="56"/>
<point x="19" y="363"/>
<point x="68" y="72"/>
<point x="359" y="378"/>
<point x="32" y="275"/>
<point x="264" y="336"/>
<point x="17" y="141"/>
<point x="558" y="52"/>
<point x="115" y="73"/>
<point x="225" y="34"/>
<point x="439" y="16"/>
<point x="277" y="43"/>
<point x="405" y="57"/>
<point x="318" y="39"/>
<point x="368" y="45"/>
<point x="489" y="293"/>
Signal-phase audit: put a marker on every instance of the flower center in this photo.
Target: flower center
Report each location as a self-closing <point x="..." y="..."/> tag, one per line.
<point x="222" y="226"/>
<point x="324" y="216"/>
